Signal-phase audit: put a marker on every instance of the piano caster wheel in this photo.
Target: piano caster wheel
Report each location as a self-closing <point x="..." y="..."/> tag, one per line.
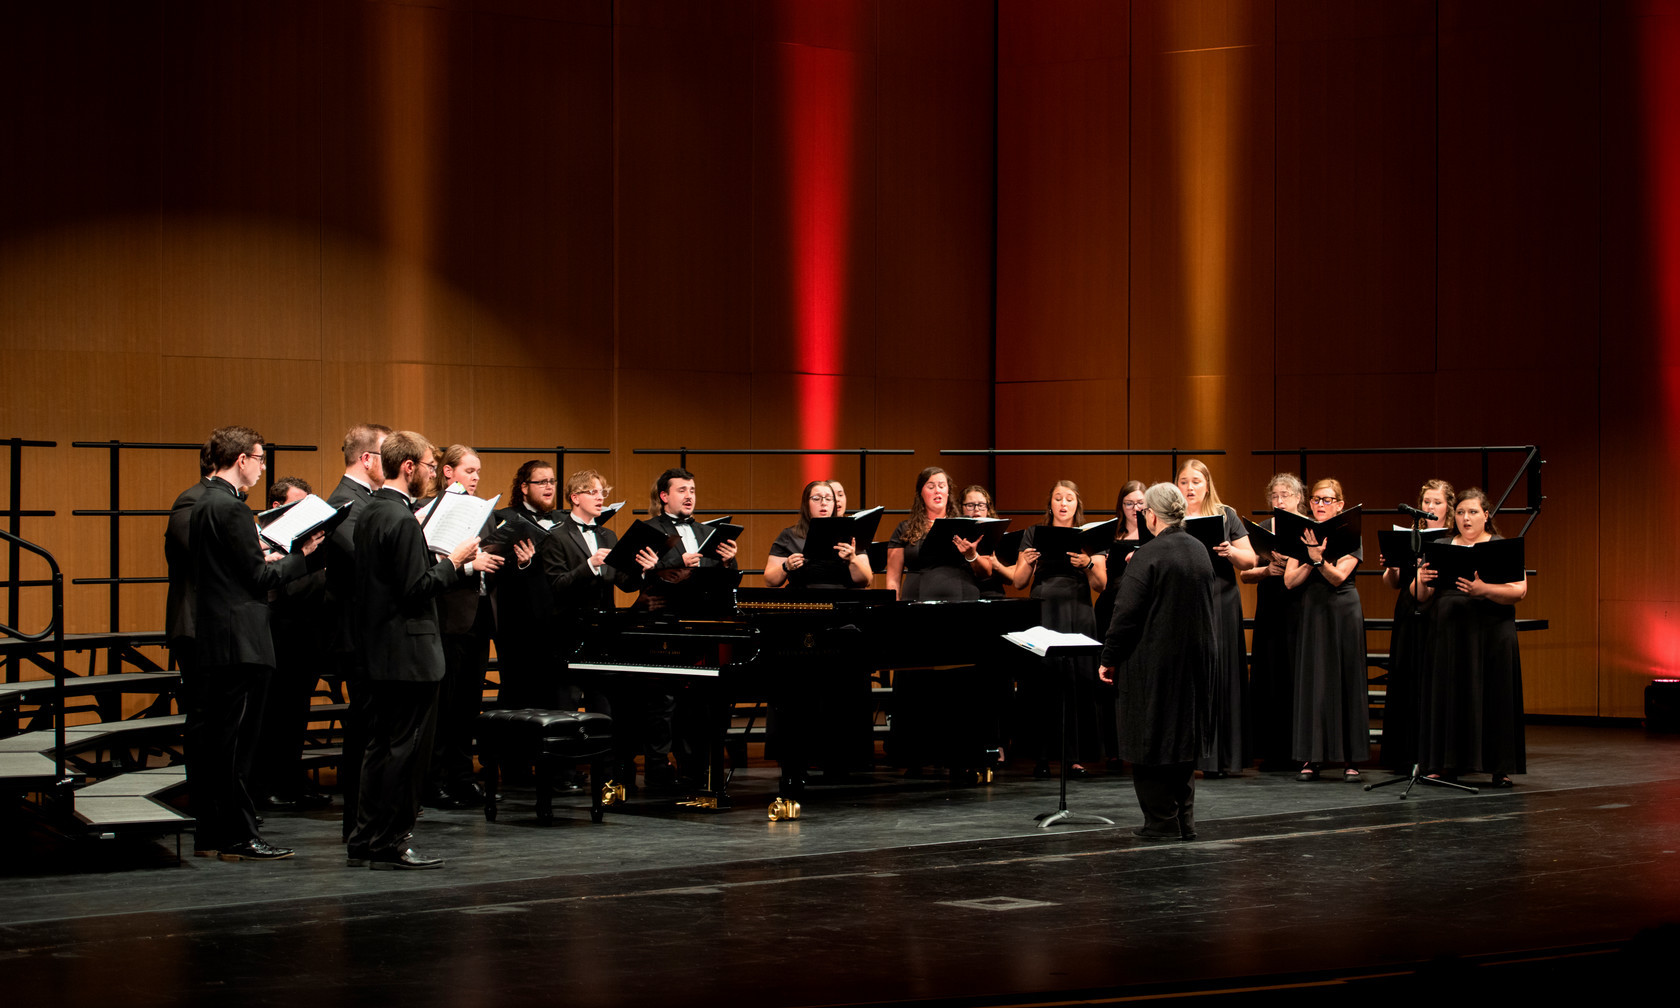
<point x="784" y="808"/>
<point x="985" y="776"/>
<point x="612" y="792"/>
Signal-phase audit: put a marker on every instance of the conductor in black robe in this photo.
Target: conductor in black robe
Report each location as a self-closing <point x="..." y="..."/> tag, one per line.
<point x="1160" y="653"/>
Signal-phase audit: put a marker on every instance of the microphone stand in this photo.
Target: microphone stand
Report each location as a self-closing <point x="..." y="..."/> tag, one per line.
<point x="1417" y="775"/>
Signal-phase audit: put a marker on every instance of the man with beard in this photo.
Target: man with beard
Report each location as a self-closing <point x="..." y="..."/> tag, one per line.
<point x="524" y="605"/>
<point x="464" y="610"/>
<point x="363" y="474"/>
<point x="397" y="584"/>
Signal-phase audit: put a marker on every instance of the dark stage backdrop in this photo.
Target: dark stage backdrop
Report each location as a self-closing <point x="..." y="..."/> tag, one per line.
<point x="1028" y="224"/>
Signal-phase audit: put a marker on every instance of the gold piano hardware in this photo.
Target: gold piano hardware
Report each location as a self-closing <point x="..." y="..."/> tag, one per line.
<point x="784" y="808"/>
<point x="701" y="802"/>
<point x="612" y="792"/>
<point x="785" y="606"/>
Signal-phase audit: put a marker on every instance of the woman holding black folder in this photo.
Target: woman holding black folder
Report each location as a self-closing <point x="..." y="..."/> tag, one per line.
<point x="977" y="503"/>
<point x="1331" y="705"/>
<point x="788" y="564"/>
<point x="1063" y="584"/>
<point x="1231" y="555"/>
<point x="922" y="571"/>
<point x="1472" y="715"/>
<point x="1400" y="700"/>
<point x="1271" y="668"/>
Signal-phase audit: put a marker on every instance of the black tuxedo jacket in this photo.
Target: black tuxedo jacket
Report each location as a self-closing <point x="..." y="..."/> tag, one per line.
<point x="523" y="601"/>
<point x="565" y="561"/>
<point x="340" y="550"/>
<point x="673" y="556"/>
<point x="178" y="607"/>
<point x="397" y="585"/>
<point x="676" y="584"/>
<point x="231" y="581"/>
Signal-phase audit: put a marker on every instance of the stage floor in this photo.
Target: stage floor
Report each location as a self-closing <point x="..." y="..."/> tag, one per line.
<point x="893" y="890"/>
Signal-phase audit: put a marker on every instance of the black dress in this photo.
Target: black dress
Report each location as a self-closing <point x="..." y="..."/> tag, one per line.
<point x="922" y="581"/>
<point x="1271" y="672"/>
<point x="1332" y="702"/>
<point x="1471" y="686"/>
<point x="1064" y="594"/>
<point x="815" y="572"/>
<point x="820" y="708"/>
<point x="1226" y="746"/>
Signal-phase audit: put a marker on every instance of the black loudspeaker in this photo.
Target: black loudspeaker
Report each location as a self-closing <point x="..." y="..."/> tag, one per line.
<point x="1662" y="705"/>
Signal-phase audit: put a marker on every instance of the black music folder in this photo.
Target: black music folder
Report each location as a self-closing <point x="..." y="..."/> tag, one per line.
<point x="1499" y="561"/>
<point x="607" y="513"/>
<point x="515" y="528"/>
<point x="722" y="531"/>
<point x="1209" y="530"/>
<point x="1396" y="545"/>
<point x="937" y="547"/>
<point x="823" y="534"/>
<point x="1340" y="533"/>
<point x="639" y="536"/>
<point x="302" y="519"/>
<point x="878" y="556"/>
<point x="1054" y="542"/>
<point x="1260" y="537"/>
<point x="1008" y="549"/>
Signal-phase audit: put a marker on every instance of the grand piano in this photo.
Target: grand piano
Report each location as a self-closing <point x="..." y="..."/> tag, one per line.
<point x="810" y="653"/>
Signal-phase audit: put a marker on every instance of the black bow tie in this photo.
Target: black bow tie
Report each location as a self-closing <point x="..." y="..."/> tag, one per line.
<point x="680" y="521"/>
<point x="586" y="528"/>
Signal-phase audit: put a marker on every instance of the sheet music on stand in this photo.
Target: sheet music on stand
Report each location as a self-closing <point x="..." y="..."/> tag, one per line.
<point x="455" y="518"/>
<point x="1048" y="643"/>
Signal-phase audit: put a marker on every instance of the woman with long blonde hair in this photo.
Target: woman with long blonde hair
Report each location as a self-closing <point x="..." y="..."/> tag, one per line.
<point x="1231" y="556"/>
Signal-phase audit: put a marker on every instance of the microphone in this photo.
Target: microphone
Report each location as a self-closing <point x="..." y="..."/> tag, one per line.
<point x="1407" y="509"/>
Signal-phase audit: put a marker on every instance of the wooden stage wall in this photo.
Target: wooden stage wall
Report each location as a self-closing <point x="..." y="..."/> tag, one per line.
<point x="1030" y="224"/>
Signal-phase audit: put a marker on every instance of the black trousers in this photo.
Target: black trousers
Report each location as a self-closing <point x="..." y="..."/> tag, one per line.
<point x="460" y="696"/>
<point x="394" y="761"/>
<point x="1167" y="795"/>
<point x="223" y="707"/>
<point x="279" y="762"/>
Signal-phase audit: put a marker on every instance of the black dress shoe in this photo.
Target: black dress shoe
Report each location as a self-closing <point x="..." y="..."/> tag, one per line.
<point x="1155" y="834"/>
<point x="404" y="859"/>
<point x="254" y="850"/>
<point x="314" y="800"/>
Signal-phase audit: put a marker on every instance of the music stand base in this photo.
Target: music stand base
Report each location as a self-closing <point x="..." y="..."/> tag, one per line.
<point x="1046" y="819"/>
<point x="1417" y="776"/>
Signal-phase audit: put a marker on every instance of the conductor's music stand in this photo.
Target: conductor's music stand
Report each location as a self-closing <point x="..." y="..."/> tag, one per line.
<point x="1049" y="645"/>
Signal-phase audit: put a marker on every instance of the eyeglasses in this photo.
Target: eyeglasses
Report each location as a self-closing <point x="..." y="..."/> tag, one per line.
<point x="1131" y="505"/>
<point x="1325" y="500"/>
<point x="550" y="482"/>
<point x="1284" y="495"/>
<point x="975" y="505"/>
<point x="429" y="465"/>
<point x="261" y="460"/>
<point x="597" y="492"/>
<point x="816" y="498"/>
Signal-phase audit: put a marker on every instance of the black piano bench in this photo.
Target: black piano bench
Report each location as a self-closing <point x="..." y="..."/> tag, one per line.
<point x="546" y="741"/>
